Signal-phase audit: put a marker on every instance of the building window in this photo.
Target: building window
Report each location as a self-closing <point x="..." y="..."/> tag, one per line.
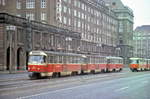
<point x="75" y="12"/>
<point x="43" y="3"/>
<point x="43" y="16"/>
<point x="18" y="4"/>
<point x="120" y="27"/>
<point x="69" y="10"/>
<point x="65" y="0"/>
<point x="75" y="3"/>
<point x="79" y="24"/>
<point x="79" y="4"/>
<point x="65" y="20"/>
<point x="2" y="2"/>
<point x="30" y="16"/>
<point x="114" y="3"/>
<point x="82" y="6"/>
<point x="30" y="4"/>
<point x="69" y="1"/>
<point x="79" y="14"/>
<point x="82" y="25"/>
<point x="19" y="15"/>
<point x="65" y="9"/>
<point x="82" y="15"/>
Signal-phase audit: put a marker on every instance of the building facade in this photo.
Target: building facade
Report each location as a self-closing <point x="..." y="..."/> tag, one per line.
<point x="96" y="24"/>
<point x="18" y="36"/>
<point x="125" y="27"/>
<point x="141" y="41"/>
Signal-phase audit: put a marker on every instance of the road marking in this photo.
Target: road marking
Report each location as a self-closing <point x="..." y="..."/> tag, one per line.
<point x="123" y="88"/>
<point x="50" y="92"/>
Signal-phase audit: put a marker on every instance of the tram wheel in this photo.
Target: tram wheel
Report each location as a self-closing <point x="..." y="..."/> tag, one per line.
<point x="120" y="69"/>
<point x="33" y="76"/>
<point x="132" y="69"/>
<point x="92" y="71"/>
<point x="107" y="70"/>
<point x="56" y="74"/>
<point x="114" y="70"/>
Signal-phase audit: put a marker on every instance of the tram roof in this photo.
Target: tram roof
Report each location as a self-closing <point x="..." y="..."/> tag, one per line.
<point x="135" y="58"/>
<point x="112" y="57"/>
<point x="37" y="53"/>
<point x="63" y="53"/>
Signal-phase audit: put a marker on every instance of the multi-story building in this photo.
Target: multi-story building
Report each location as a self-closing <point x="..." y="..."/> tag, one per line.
<point x="141" y="41"/>
<point x="92" y="19"/>
<point x="18" y="36"/>
<point x="125" y="27"/>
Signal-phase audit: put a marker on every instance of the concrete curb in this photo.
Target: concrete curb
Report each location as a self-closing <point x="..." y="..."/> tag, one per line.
<point x="13" y="72"/>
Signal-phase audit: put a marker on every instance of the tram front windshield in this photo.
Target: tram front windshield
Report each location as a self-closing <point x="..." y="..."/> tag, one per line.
<point x="37" y="59"/>
<point x="134" y="61"/>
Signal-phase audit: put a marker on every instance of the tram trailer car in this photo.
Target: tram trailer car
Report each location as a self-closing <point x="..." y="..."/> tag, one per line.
<point x="94" y="64"/>
<point x="114" y="63"/>
<point x="56" y="64"/>
<point x="139" y="64"/>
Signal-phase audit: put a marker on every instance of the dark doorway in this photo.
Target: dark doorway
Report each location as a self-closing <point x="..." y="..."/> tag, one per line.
<point x="27" y="56"/>
<point x="8" y="59"/>
<point x="19" y="57"/>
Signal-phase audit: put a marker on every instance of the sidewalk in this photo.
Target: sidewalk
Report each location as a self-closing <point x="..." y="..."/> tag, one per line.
<point x="13" y="72"/>
<point x="5" y="75"/>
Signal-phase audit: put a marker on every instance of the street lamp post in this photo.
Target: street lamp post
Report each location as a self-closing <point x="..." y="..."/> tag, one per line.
<point x="10" y="28"/>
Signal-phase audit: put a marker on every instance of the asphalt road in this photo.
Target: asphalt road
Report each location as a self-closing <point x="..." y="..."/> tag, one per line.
<point x="123" y="85"/>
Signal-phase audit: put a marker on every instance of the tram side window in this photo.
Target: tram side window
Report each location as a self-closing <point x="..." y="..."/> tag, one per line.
<point x="97" y="60"/>
<point x="51" y="59"/>
<point x="55" y="59"/>
<point x="82" y="60"/>
<point x="68" y="59"/>
<point x="92" y="60"/>
<point x="72" y="59"/>
<point x="60" y="59"/>
<point x="77" y="59"/>
<point x="117" y="61"/>
<point x="101" y="60"/>
<point x="108" y="61"/>
<point x="120" y="60"/>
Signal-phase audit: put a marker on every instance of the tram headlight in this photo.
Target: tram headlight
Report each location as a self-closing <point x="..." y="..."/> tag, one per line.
<point x="38" y="68"/>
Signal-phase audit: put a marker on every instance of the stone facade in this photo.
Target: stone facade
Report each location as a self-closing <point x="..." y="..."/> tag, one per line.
<point x="18" y="36"/>
<point x="141" y="41"/>
<point x="125" y="27"/>
<point x="96" y="24"/>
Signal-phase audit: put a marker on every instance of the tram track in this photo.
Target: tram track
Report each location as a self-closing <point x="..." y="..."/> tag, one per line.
<point x="26" y="84"/>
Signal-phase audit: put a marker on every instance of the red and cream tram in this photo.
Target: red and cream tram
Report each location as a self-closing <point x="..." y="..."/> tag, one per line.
<point x="114" y="63"/>
<point x="139" y="64"/>
<point x="49" y="63"/>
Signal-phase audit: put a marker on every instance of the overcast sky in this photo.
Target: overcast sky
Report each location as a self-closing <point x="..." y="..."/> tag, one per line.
<point x="141" y="10"/>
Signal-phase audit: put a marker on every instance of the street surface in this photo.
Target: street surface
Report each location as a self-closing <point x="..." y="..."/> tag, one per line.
<point x="119" y="85"/>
